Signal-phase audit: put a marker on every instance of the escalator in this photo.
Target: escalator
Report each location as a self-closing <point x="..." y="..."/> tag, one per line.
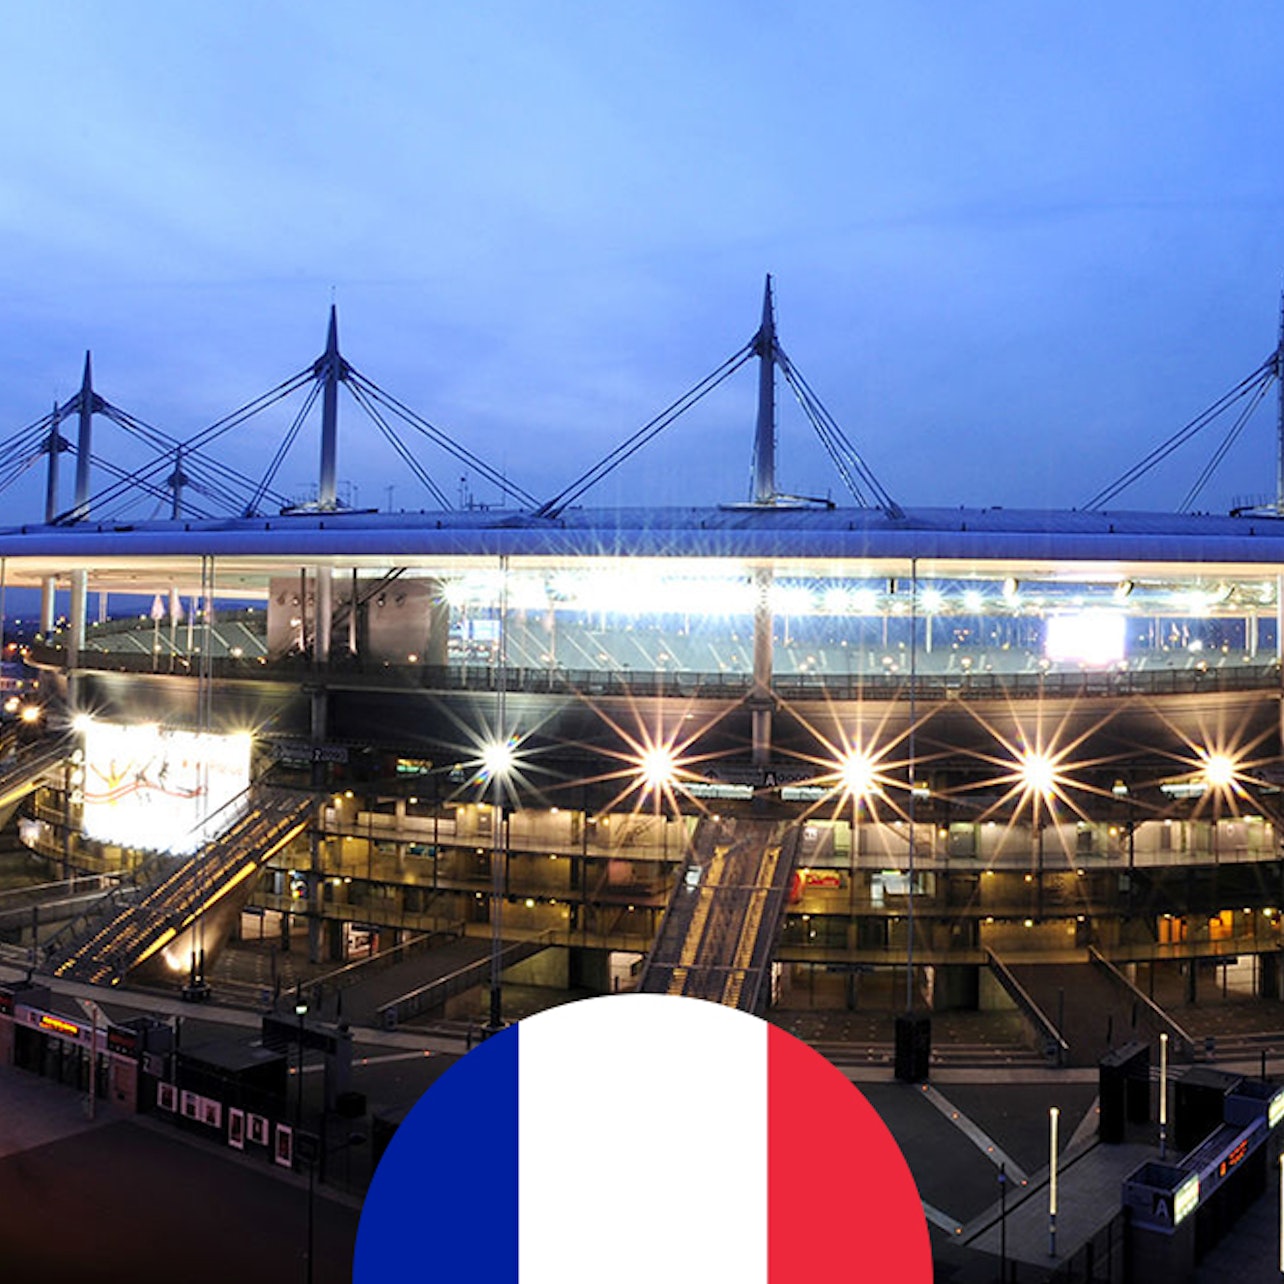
<point x="168" y="894"/>
<point x="720" y="928"/>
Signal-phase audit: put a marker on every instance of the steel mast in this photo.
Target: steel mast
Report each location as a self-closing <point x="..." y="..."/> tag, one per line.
<point x="764" y="493"/>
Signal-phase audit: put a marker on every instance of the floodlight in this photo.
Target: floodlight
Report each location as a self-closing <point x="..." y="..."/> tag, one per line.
<point x="658" y="767"/>
<point x="497" y="759"/>
<point x="1038" y="773"/>
<point x="1219" y="770"/>
<point x="858" y="773"/>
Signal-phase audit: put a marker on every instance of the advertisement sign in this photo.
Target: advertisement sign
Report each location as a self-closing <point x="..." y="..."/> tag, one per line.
<point x="149" y="787"/>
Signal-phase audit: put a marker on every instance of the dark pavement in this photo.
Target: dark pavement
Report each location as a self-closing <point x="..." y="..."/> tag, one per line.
<point x="130" y="1202"/>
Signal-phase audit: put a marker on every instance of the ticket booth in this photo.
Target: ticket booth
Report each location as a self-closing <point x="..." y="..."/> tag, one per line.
<point x="68" y="1047"/>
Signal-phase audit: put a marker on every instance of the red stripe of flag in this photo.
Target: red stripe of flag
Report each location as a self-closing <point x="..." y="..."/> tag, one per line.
<point x="841" y="1202"/>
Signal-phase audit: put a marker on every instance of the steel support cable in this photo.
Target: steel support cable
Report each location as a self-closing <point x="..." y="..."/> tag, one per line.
<point x="195" y="473"/>
<point x="648" y="432"/>
<point x="440" y="438"/>
<point x="192" y="449"/>
<point x="109" y="494"/>
<point x="834" y="439"/>
<point x="1227" y="442"/>
<point x="143" y="475"/>
<point x="39" y="428"/>
<point x="1181" y="436"/>
<point x="15" y="469"/>
<point x="170" y="449"/>
<point x="283" y="449"/>
<point x="36" y="432"/>
<point x="362" y="399"/>
<point x="797" y="381"/>
<point x="154" y="437"/>
<point x="247" y="411"/>
<point x="20" y="453"/>
<point x="844" y="447"/>
<point x="832" y="448"/>
<point x="128" y="481"/>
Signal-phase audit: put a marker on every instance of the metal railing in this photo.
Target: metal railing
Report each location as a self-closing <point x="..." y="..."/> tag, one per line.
<point x="436" y="992"/>
<point x="1055" y="1048"/>
<point x="356" y="672"/>
<point x="1183" y="1043"/>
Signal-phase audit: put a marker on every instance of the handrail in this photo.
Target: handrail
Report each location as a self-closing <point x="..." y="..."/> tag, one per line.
<point x="1030" y="1009"/>
<point x="1183" y="1037"/>
<point x="556" y="681"/>
<point x="413" y="999"/>
<point x="340" y="977"/>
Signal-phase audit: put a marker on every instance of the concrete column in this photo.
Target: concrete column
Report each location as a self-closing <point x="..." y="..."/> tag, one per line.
<point x="761" y="700"/>
<point x="78" y="613"/>
<point x="324" y="613"/>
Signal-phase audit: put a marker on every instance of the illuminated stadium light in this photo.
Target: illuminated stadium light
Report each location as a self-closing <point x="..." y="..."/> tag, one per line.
<point x="81" y="723"/>
<point x="791" y="599"/>
<point x="864" y="601"/>
<point x="1087" y="637"/>
<point x="932" y="600"/>
<point x="658" y="768"/>
<point x="497" y="759"/>
<point x="835" y="601"/>
<point x="1038" y="774"/>
<point x="858" y="773"/>
<point x="1219" y="771"/>
<point x="974" y="601"/>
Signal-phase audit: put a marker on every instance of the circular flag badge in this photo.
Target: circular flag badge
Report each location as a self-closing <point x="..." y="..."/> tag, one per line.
<point x="642" y="1138"/>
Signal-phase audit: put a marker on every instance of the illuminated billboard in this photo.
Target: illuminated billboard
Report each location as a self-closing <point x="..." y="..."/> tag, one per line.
<point x="150" y="787"/>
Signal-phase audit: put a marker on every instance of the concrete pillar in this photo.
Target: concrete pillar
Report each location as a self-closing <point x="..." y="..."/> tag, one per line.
<point x="78" y="613"/>
<point x="763" y="659"/>
<point x="324" y="614"/>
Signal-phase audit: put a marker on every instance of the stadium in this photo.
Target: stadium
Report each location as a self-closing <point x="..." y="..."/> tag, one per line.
<point x="780" y="753"/>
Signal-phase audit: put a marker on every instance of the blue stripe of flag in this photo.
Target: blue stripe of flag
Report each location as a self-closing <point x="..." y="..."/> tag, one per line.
<point x="443" y="1202"/>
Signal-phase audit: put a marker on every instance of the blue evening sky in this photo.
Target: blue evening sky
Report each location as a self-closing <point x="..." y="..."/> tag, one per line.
<point x="1015" y="244"/>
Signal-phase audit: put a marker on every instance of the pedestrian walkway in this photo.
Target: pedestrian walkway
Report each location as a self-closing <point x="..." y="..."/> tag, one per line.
<point x="1089" y="1194"/>
<point x="35" y="1111"/>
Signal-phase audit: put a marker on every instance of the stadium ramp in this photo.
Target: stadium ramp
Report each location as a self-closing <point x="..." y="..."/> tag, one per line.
<point x="716" y="939"/>
<point x="168" y="894"/>
<point x="21" y="773"/>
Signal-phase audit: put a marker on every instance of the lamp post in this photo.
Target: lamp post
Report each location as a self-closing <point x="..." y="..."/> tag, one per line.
<point x="1003" y="1222"/>
<point x="1053" y="1115"/>
<point x="497" y="760"/>
<point x="1282" y="1214"/>
<point x="309" y="1151"/>
<point x="301" y="1011"/>
<point x="1163" y="1096"/>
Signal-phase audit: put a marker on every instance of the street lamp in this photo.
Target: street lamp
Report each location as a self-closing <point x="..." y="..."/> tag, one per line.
<point x="310" y="1151"/>
<point x="497" y="764"/>
<point x="301" y="1011"/>
<point x="1003" y="1222"/>
<point x="1038" y="776"/>
<point x="1163" y="1096"/>
<point x="1053" y="1115"/>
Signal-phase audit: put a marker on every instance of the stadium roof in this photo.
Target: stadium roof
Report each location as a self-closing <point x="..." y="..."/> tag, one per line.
<point x="959" y="537"/>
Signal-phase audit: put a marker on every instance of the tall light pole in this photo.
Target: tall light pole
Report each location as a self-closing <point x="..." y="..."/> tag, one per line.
<point x="301" y="1011"/>
<point x="1053" y="1115"/>
<point x="497" y="762"/>
<point x="1163" y="1096"/>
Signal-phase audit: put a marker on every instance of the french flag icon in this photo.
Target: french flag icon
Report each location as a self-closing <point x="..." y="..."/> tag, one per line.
<point x="643" y="1139"/>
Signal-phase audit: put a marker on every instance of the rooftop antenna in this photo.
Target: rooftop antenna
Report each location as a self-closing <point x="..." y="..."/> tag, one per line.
<point x="764" y="443"/>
